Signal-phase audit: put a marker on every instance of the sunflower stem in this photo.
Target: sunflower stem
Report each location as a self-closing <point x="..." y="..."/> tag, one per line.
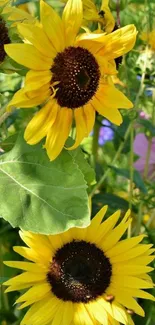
<point x="131" y="172"/>
<point x="4" y="117"/>
<point x="140" y="217"/>
<point x="146" y="167"/>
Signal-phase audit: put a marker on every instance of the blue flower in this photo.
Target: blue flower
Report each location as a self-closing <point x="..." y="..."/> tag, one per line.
<point x="106" y="133"/>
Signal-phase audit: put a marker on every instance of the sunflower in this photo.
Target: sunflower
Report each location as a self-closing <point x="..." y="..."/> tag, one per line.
<point x="83" y="276"/>
<point x="69" y="74"/>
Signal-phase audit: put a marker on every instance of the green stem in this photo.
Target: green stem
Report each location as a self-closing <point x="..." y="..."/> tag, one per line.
<point x="131" y="171"/>
<point x="4" y="117"/>
<point x="95" y="143"/>
<point x="140" y="217"/>
<point x="146" y="168"/>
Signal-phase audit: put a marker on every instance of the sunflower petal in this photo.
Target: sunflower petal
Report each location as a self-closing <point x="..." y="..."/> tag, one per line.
<point x="136" y="251"/>
<point x="95" y="223"/>
<point x="53" y="26"/>
<point x="113" y="115"/>
<point x="81" y="128"/>
<point x="38" y="311"/>
<point x="117" y="43"/>
<point x="36" y="79"/>
<point x="26" y="266"/>
<point x="58" y="133"/>
<point x="36" y="293"/>
<point x="72" y="19"/>
<point x="36" y="36"/>
<point x="40" y="124"/>
<point x="20" y="99"/>
<point x="124" y="245"/>
<point x="107" y="225"/>
<point x="89" y="114"/>
<point x="114" y="236"/>
<point x="28" y="55"/>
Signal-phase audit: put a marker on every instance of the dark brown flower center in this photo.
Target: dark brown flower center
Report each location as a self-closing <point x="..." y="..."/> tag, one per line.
<point x="4" y="39"/>
<point x="79" y="272"/>
<point x="78" y="74"/>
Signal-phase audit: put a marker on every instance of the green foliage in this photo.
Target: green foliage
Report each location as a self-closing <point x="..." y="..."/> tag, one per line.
<point x="45" y="197"/>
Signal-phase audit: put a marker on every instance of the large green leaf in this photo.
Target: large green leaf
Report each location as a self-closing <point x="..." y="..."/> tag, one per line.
<point x="43" y="196"/>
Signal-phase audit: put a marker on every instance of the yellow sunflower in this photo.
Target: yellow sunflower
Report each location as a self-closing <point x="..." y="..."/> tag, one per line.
<point x="83" y="276"/>
<point x="70" y="74"/>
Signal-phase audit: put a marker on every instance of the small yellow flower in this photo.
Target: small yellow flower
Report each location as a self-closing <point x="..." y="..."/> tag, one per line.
<point x="149" y="38"/>
<point x="69" y="74"/>
<point x="83" y="276"/>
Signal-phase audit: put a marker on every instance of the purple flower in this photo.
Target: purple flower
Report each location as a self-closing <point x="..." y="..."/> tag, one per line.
<point x="106" y="133"/>
<point x="140" y="148"/>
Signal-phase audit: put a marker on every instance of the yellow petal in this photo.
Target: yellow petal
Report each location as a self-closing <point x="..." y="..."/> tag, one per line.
<point x="136" y="251"/>
<point x="131" y="282"/>
<point x="111" y="97"/>
<point x="25" y="278"/>
<point x="72" y="19"/>
<point x="26" y="253"/>
<point x="53" y="27"/>
<point x="42" y="247"/>
<point x="131" y="269"/>
<point x="112" y="238"/>
<point x="35" y="35"/>
<point x="36" y="79"/>
<point x="57" y="320"/>
<point x="137" y="293"/>
<point x="41" y="312"/>
<point x="36" y="293"/>
<point x="24" y="266"/>
<point x="107" y="226"/>
<point x="81" y="128"/>
<point x="113" y="115"/>
<point x="98" y="312"/>
<point x="95" y="223"/>
<point x="124" y="245"/>
<point x="56" y="241"/>
<point x="117" y="43"/>
<point x="81" y="316"/>
<point x="68" y="313"/>
<point x="18" y="286"/>
<point x="141" y="260"/>
<point x="20" y="99"/>
<point x="119" y="313"/>
<point x="28" y="55"/>
<point x="40" y="124"/>
<point x="58" y="133"/>
<point x="130" y="303"/>
<point x="45" y="89"/>
<point x="89" y="114"/>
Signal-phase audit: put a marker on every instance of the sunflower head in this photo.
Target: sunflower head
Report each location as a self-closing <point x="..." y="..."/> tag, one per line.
<point x="70" y="75"/>
<point x="83" y="276"/>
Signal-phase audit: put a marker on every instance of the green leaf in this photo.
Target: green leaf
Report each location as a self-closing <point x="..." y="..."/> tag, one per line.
<point x="43" y="196"/>
<point x="88" y="172"/>
<point x="136" y="177"/>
